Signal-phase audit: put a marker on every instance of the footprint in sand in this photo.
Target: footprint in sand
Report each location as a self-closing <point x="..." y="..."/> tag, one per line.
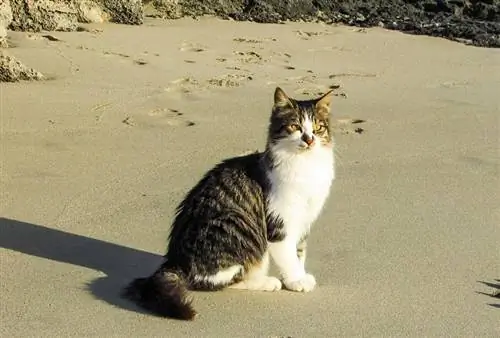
<point x="192" y="47"/>
<point x="184" y="85"/>
<point x="315" y="91"/>
<point x="449" y="84"/>
<point x="348" y="126"/>
<point x="159" y="117"/>
<point x="109" y="53"/>
<point x="333" y="76"/>
<point x="100" y="109"/>
<point x="284" y="56"/>
<point x="302" y="79"/>
<point x="42" y="37"/>
<point x="253" y="41"/>
<point x="249" y="57"/>
<point x="247" y="40"/>
<point x="308" y="35"/>
<point x="229" y="80"/>
<point x="140" y="62"/>
<point x="170" y="117"/>
<point x="310" y="85"/>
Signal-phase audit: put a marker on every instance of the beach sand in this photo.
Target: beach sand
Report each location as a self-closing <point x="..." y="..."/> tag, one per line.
<point x="95" y="159"/>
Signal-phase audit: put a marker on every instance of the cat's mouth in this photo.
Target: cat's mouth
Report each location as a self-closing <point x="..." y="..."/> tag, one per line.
<point x="306" y="147"/>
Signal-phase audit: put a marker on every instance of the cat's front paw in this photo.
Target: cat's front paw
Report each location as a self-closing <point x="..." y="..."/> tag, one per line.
<point x="305" y="284"/>
<point x="271" y="284"/>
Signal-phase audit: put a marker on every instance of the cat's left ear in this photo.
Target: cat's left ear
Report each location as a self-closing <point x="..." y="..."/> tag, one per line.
<point x="323" y="103"/>
<point x="280" y="98"/>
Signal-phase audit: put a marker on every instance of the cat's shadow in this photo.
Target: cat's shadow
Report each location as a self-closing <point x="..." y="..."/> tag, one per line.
<point x="120" y="264"/>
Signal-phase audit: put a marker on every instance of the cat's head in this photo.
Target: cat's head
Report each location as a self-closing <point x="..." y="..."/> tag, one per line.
<point x="299" y="125"/>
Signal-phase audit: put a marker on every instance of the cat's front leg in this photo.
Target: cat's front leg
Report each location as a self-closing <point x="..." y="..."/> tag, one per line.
<point x="302" y="251"/>
<point x="294" y="276"/>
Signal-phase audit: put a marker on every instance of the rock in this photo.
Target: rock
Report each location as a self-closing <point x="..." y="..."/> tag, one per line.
<point x="123" y="11"/>
<point x="34" y="16"/>
<point x="167" y="9"/>
<point x="12" y="70"/>
<point x="64" y="15"/>
<point x="5" y="20"/>
<point x="90" y="12"/>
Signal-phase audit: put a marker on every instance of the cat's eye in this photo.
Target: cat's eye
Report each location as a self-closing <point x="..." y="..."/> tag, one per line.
<point x="320" y="129"/>
<point x="293" y="127"/>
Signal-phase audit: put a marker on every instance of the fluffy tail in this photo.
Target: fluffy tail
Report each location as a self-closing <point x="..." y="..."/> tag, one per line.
<point x="164" y="293"/>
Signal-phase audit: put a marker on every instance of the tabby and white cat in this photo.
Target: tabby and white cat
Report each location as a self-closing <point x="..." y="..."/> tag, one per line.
<point x="246" y="210"/>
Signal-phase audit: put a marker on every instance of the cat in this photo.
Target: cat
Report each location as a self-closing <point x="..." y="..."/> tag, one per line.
<point x="248" y="210"/>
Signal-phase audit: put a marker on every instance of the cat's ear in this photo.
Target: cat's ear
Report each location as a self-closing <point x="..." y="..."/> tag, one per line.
<point x="323" y="103"/>
<point x="280" y="98"/>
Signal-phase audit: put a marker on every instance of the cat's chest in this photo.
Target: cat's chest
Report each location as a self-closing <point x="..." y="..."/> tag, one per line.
<point x="299" y="190"/>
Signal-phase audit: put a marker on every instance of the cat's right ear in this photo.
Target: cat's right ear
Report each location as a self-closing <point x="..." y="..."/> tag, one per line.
<point x="280" y="98"/>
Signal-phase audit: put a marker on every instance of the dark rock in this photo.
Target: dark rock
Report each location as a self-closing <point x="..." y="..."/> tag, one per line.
<point x="461" y="20"/>
<point x="12" y="70"/>
<point x="123" y="11"/>
<point x="167" y="9"/>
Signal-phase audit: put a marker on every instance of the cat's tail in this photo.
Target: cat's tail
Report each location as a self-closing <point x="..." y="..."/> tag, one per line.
<point x="164" y="293"/>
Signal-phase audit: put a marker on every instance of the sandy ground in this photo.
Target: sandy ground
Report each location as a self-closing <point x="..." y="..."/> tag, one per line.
<point x="95" y="159"/>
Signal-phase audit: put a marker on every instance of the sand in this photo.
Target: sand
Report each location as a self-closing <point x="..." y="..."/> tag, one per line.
<point x="95" y="159"/>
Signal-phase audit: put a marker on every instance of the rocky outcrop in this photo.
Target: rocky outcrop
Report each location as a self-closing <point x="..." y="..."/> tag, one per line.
<point x="474" y="22"/>
<point x="12" y="70"/>
<point x="128" y="12"/>
<point x="56" y="15"/>
<point x="64" y="15"/>
<point x="43" y="15"/>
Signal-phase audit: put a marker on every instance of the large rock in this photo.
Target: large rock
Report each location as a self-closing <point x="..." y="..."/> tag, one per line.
<point x="64" y="15"/>
<point x="88" y="11"/>
<point x="5" y="20"/>
<point x="12" y="70"/>
<point x="123" y="11"/>
<point x="43" y="15"/>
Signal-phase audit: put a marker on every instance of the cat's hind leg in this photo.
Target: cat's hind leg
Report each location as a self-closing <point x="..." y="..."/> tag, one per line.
<point x="217" y="281"/>
<point x="255" y="278"/>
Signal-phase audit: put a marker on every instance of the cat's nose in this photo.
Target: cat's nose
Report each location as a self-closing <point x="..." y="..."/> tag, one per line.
<point x="307" y="139"/>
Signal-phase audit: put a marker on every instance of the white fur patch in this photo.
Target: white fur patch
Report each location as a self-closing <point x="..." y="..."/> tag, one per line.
<point x="308" y="126"/>
<point x="257" y="278"/>
<point x="222" y="277"/>
<point x="300" y="185"/>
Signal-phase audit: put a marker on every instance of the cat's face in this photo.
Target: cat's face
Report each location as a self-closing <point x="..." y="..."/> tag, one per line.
<point x="300" y="126"/>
